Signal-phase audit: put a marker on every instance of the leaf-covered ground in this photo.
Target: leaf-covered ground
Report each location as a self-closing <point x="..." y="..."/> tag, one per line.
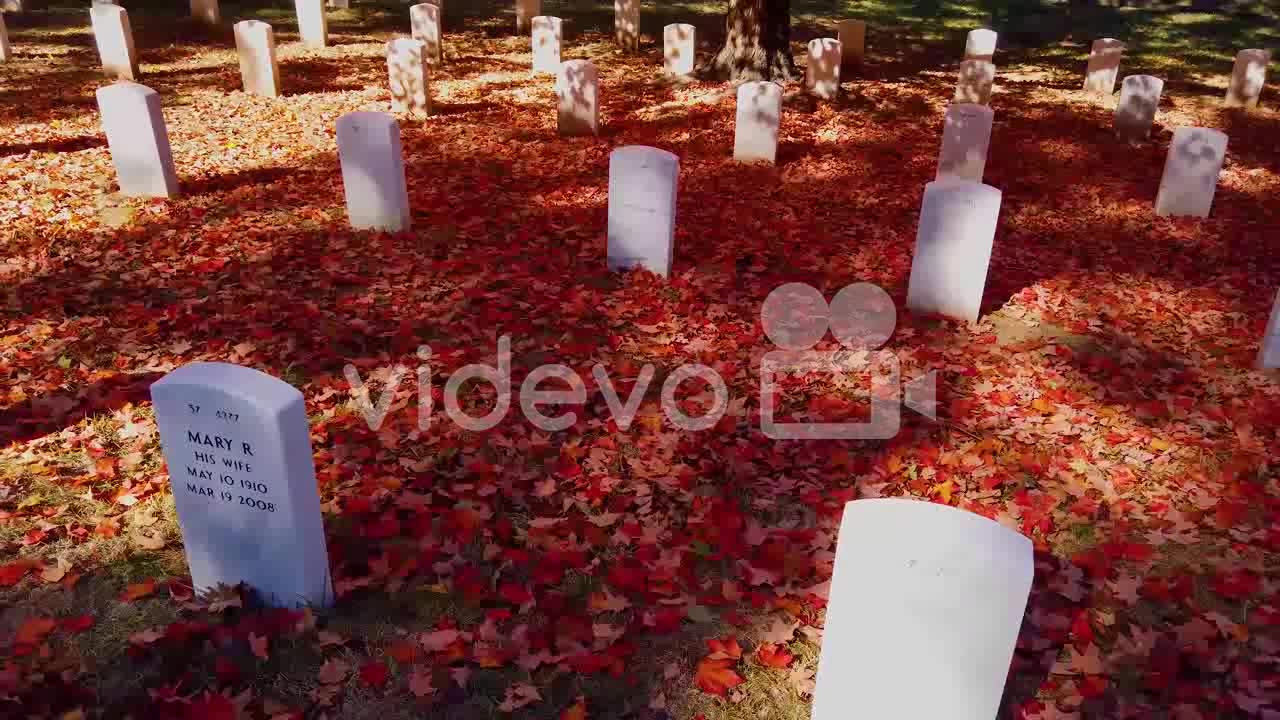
<point x="1105" y="406"/>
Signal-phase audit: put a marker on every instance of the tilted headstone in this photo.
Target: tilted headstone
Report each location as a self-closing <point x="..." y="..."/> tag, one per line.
<point x="409" y="76"/>
<point x="1191" y="171"/>
<point x="5" y="52"/>
<point x="313" y="26"/>
<point x="755" y="134"/>
<point x="114" y="37"/>
<point x="546" y="44"/>
<point x="966" y="136"/>
<point x="1269" y="354"/>
<point x="679" y="51"/>
<point x="1139" y="98"/>
<point x="256" y="47"/>
<point x="1247" y="78"/>
<point x="1104" y="66"/>
<point x="578" y="98"/>
<point x="980" y="44"/>
<point x="206" y="11"/>
<point x="953" y="248"/>
<point x="642" y="208"/>
<point x="526" y="11"/>
<point x="373" y="172"/>
<point x="904" y="571"/>
<point x="975" y="82"/>
<point x="424" y="21"/>
<point x="822" y="75"/>
<point x="137" y="139"/>
<point x="626" y="24"/>
<point x="853" y="42"/>
<point x="239" y="454"/>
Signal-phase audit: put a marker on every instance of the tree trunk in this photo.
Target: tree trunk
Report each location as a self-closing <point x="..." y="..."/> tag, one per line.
<point x="757" y="44"/>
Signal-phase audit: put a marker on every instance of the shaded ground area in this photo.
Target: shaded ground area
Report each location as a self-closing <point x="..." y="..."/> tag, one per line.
<point x="1105" y="406"/>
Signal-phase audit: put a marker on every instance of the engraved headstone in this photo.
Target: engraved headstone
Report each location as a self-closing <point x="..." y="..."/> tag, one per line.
<point x="853" y="42"/>
<point x="953" y="248"/>
<point x="626" y="24"/>
<point x="822" y="74"/>
<point x="239" y="454"/>
<point x="755" y="133"/>
<point x="1104" y="66"/>
<point x="642" y="208"/>
<point x="546" y="44"/>
<point x="256" y="47"/>
<point x="904" y="571"/>
<point x="966" y="135"/>
<point x="313" y="26"/>
<point x="373" y="172"/>
<point x="679" y="51"/>
<point x="424" y="21"/>
<point x="1191" y="172"/>
<point x="408" y="76"/>
<point x="578" y="98"/>
<point x="137" y="139"/>
<point x="1247" y="78"/>
<point x="114" y="37"/>
<point x="1139" y="98"/>
<point x="975" y="81"/>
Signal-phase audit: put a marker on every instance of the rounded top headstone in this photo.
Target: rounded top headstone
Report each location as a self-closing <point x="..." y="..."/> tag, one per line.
<point x="252" y="386"/>
<point x="642" y="155"/>
<point x="125" y="89"/>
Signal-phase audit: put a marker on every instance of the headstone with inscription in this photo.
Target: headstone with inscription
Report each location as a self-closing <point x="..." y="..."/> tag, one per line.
<point x="114" y="38"/>
<point x="1136" y="112"/>
<point x="1191" y="170"/>
<point x="953" y="248"/>
<point x="239" y="454"/>
<point x="679" y="50"/>
<point x="373" y="178"/>
<point x="642" y="208"/>
<point x="755" y="131"/>
<point x="137" y="139"/>
<point x="578" y="98"/>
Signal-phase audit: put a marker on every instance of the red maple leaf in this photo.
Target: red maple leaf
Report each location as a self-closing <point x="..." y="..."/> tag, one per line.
<point x="774" y="656"/>
<point x="375" y="674"/>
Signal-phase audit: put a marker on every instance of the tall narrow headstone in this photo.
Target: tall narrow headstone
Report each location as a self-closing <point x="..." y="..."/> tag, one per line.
<point x="114" y="37"/>
<point x="373" y="172"/>
<point x="409" y="77"/>
<point x="546" y="44"/>
<point x="137" y="139"/>
<point x="1247" y="78"/>
<point x="953" y="248"/>
<point x="975" y="82"/>
<point x="578" y="98"/>
<point x="239" y="454"/>
<point x="313" y="26"/>
<point x="1191" y="171"/>
<point x="755" y="136"/>
<point x="1139" y="98"/>
<point x="822" y="75"/>
<point x="1104" y="66"/>
<point x="206" y="11"/>
<point x="980" y="44"/>
<point x="626" y="24"/>
<point x="966" y="135"/>
<point x="526" y="11"/>
<point x="853" y="42"/>
<point x="679" y="51"/>
<point x="424" y="20"/>
<point x="642" y="208"/>
<point x="904" y="570"/>
<point x="256" y="46"/>
<point x="1269" y="354"/>
<point x="5" y="52"/>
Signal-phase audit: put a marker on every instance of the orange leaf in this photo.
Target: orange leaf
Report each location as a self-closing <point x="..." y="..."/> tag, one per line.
<point x="724" y="648"/>
<point x="716" y="676"/>
<point x="577" y="711"/>
<point x="404" y="652"/>
<point x="33" y="630"/>
<point x="774" y="656"/>
<point x="137" y="591"/>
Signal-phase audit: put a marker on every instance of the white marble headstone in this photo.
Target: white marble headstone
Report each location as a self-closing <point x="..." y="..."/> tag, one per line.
<point x="755" y="135"/>
<point x="1269" y="354"/>
<point x="975" y="81"/>
<point x="206" y="11"/>
<point x="239" y="454"/>
<point x="424" y="20"/>
<point x="822" y="74"/>
<point x="1191" y="171"/>
<point x="1248" y="76"/>
<point x="373" y="172"/>
<point x="980" y="44"/>
<point x="679" y="51"/>
<point x="408" y="76"/>
<point x="114" y="37"/>
<point x="953" y="248"/>
<point x="526" y="11"/>
<point x="966" y="135"/>
<point x="906" y="572"/>
<point x="578" y="98"/>
<point x="138" y="139"/>
<point x="853" y="42"/>
<point x="626" y="24"/>
<point x="313" y="26"/>
<point x="5" y="52"/>
<point x="1139" y="98"/>
<point x="1104" y="66"/>
<point x="642" y="208"/>
<point x="256" y="47"/>
<point x="547" y="34"/>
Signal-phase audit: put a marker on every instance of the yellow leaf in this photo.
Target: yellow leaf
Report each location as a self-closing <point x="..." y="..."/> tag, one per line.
<point x="1158" y="445"/>
<point x="944" y="490"/>
<point x="1042" y="405"/>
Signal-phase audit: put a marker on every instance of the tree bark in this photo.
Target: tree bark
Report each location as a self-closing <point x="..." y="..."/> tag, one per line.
<point x="757" y="44"/>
